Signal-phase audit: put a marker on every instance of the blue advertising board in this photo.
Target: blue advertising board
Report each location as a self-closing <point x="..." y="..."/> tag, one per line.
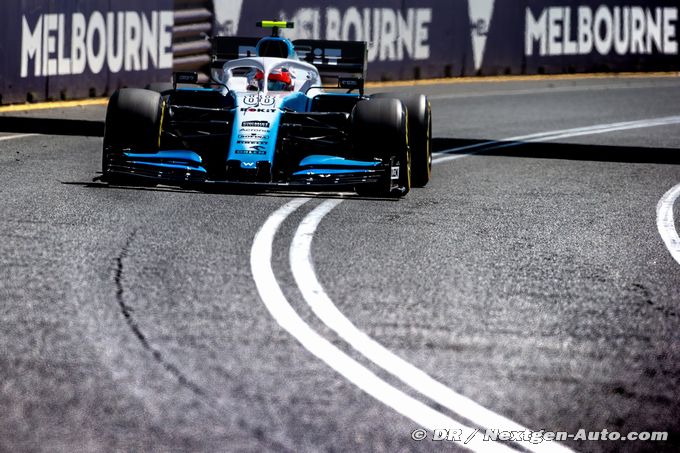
<point x="407" y="39"/>
<point x="434" y="38"/>
<point x="79" y="48"/>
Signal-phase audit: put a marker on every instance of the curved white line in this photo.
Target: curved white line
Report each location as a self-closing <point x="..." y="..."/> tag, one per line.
<point x="665" y="222"/>
<point x="12" y="137"/>
<point x="275" y="301"/>
<point x="604" y="128"/>
<point x="559" y="134"/>
<point x="446" y="158"/>
<point x="323" y="307"/>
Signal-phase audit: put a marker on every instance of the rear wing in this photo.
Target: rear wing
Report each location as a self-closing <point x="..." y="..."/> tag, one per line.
<point x="334" y="58"/>
<point x="331" y="58"/>
<point x="227" y="48"/>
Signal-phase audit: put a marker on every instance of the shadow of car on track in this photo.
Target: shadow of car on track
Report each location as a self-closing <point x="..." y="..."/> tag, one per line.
<point x="51" y="126"/>
<point x="542" y="150"/>
<point x="556" y="150"/>
<point x="231" y="191"/>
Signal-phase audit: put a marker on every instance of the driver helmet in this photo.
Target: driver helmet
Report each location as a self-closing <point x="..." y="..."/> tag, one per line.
<point x="278" y="80"/>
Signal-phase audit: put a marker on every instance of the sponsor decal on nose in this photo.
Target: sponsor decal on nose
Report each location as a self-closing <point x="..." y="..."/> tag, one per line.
<point x="262" y="124"/>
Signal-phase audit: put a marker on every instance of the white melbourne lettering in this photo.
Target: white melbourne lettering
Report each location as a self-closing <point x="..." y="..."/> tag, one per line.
<point x="623" y="30"/>
<point x="393" y="34"/>
<point x="122" y="40"/>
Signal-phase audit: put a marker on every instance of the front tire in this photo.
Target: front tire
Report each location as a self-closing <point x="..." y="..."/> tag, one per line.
<point x="380" y="129"/>
<point x="419" y="134"/>
<point x="133" y="120"/>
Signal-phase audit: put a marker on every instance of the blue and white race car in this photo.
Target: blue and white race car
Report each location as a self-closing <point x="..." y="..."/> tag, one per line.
<point x="276" y="113"/>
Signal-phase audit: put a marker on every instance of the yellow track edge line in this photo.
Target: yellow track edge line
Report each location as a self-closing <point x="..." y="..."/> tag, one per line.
<point x="53" y="105"/>
<point x="522" y="78"/>
<point x="396" y="83"/>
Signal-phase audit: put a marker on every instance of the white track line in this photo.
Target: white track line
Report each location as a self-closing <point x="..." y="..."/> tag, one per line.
<point x="275" y="301"/>
<point x="12" y="137"/>
<point x="323" y="307"/>
<point x="665" y="222"/>
<point x="449" y="157"/>
<point x="604" y="128"/>
<point x="315" y="296"/>
<point x="558" y="134"/>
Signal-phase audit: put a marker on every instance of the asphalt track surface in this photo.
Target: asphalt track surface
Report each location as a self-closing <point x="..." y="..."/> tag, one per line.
<point x="531" y="279"/>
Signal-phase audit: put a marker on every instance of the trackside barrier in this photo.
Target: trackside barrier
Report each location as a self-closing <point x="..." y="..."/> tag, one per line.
<point x="411" y="39"/>
<point x="74" y="48"/>
<point x="191" y="34"/>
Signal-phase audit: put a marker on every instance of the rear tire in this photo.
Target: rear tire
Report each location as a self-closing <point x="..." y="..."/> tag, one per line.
<point x="380" y="129"/>
<point x="133" y="120"/>
<point x="419" y="134"/>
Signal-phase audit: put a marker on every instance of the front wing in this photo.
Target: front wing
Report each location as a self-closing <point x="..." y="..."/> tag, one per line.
<point x="184" y="168"/>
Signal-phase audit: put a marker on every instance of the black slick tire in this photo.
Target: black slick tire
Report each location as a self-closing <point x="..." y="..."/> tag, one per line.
<point x="380" y="129"/>
<point x="419" y="134"/>
<point x="133" y="120"/>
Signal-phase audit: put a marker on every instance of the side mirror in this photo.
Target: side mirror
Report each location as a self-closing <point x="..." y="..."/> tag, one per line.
<point x="351" y="83"/>
<point x="184" y="77"/>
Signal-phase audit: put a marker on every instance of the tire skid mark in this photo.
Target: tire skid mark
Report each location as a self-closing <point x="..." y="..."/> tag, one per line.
<point x="258" y="433"/>
<point x="127" y="312"/>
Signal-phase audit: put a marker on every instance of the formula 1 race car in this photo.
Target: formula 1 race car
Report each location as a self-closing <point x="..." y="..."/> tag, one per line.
<point x="269" y="117"/>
